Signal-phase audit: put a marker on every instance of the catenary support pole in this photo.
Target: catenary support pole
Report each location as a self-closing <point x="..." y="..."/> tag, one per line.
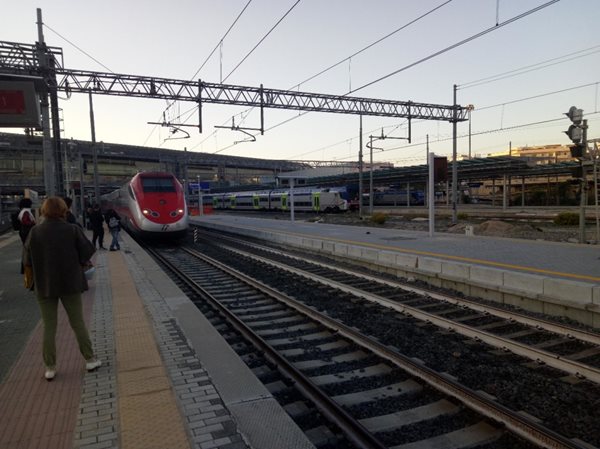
<point x="504" y="192"/>
<point x="360" y="169"/>
<point x="94" y="151"/>
<point x="81" y="191"/>
<point x="49" y="175"/>
<point x="292" y="210"/>
<point x="431" y="189"/>
<point x="582" y="239"/>
<point x="370" y="175"/>
<point x="454" y="164"/>
<point x="200" y="202"/>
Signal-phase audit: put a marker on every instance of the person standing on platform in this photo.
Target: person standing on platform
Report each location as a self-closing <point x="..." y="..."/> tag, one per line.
<point x="70" y="216"/>
<point x="56" y="251"/>
<point x="113" y="220"/>
<point x="26" y="221"/>
<point x="97" y="222"/>
<point x="26" y="218"/>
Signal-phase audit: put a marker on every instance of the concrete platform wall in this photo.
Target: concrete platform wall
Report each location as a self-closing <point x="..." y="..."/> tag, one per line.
<point x="573" y="299"/>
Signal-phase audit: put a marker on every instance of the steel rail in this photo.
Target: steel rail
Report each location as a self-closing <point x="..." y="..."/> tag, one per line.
<point x="540" y="323"/>
<point x="526" y="428"/>
<point x="352" y="429"/>
<point x="539" y="355"/>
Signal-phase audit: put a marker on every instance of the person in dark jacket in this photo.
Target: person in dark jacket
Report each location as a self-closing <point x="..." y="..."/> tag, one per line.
<point x="113" y="220"/>
<point x="26" y="218"/>
<point x="56" y="251"/>
<point x="26" y="221"/>
<point x="97" y="222"/>
<point x="70" y="216"/>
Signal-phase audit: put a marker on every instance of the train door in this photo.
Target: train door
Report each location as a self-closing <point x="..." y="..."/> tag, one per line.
<point x="316" y="201"/>
<point x="284" y="201"/>
<point x="256" y="201"/>
<point x="232" y="202"/>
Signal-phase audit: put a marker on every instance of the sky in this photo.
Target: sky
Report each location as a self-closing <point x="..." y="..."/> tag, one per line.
<point x="552" y="54"/>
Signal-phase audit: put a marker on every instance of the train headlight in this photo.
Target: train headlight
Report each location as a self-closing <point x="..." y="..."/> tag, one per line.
<point x="180" y="211"/>
<point x="146" y="212"/>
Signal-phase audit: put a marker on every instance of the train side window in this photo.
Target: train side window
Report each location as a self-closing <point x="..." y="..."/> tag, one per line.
<point x="130" y="191"/>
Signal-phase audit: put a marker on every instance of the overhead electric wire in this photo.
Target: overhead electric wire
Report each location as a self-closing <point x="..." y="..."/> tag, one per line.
<point x="536" y="96"/>
<point x="458" y="44"/>
<point x="203" y="64"/>
<point x="78" y="48"/>
<point x="222" y="39"/>
<point x="476" y="110"/>
<point x="372" y="44"/>
<point x="261" y="41"/>
<point x="241" y="62"/>
<point x="341" y="62"/>
<point x="431" y="56"/>
<point x="530" y="68"/>
<point x="489" y="131"/>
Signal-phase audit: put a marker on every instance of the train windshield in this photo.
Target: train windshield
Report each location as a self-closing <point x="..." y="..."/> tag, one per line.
<point x="158" y="185"/>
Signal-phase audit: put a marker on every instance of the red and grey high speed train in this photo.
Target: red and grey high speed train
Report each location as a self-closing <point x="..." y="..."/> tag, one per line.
<point x="150" y="204"/>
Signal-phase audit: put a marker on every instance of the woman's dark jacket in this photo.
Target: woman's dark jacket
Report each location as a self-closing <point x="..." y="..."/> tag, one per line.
<point x="57" y="250"/>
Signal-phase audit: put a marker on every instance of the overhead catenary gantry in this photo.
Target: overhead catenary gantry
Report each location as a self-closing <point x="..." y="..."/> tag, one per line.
<point x="46" y="62"/>
<point x="71" y="81"/>
<point x="17" y="57"/>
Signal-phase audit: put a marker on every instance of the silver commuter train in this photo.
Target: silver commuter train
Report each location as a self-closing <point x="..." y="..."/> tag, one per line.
<point x="305" y="200"/>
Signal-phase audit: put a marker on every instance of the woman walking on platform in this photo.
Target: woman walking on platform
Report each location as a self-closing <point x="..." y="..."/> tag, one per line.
<point x="113" y="220"/>
<point x="57" y="251"/>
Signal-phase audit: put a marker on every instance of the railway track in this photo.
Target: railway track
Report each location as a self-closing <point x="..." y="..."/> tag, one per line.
<point x="570" y="349"/>
<point x="371" y="392"/>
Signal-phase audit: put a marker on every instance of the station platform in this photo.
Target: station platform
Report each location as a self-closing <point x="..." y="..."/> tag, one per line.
<point x="547" y="277"/>
<point x="167" y="380"/>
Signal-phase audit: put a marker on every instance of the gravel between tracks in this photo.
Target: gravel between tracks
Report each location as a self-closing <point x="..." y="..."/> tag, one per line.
<point x="571" y="409"/>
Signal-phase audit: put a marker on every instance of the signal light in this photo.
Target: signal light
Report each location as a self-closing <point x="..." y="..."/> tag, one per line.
<point x="575" y="132"/>
<point x="575" y="114"/>
<point x="576" y="151"/>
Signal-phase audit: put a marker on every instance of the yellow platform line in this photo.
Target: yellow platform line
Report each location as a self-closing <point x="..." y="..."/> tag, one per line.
<point x="437" y="255"/>
<point x="148" y="413"/>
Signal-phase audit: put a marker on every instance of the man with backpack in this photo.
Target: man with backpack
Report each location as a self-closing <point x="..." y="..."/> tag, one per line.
<point x="23" y="221"/>
<point x="113" y="220"/>
<point x="26" y="219"/>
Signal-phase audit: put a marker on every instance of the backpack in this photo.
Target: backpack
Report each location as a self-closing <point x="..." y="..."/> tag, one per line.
<point x="113" y="222"/>
<point x="27" y="219"/>
<point x="14" y="218"/>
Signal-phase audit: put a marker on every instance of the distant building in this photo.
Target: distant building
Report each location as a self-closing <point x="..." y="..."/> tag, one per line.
<point x="543" y="154"/>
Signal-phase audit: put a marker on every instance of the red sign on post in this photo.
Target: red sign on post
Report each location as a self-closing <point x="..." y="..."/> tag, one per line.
<point x="12" y="102"/>
<point x="19" y="103"/>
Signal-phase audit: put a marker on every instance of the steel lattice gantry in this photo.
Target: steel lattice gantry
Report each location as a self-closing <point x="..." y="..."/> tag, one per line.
<point x="18" y="57"/>
<point x="203" y="92"/>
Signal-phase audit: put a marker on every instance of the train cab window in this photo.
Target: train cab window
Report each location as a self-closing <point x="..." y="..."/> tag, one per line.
<point x="130" y="191"/>
<point x="158" y="185"/>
